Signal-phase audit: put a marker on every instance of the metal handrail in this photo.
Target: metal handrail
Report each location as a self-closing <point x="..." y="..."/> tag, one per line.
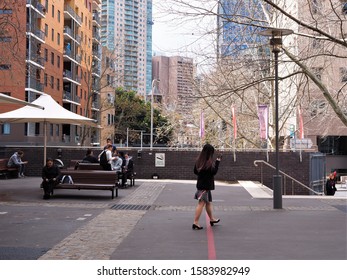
<point x="288" y="176"/>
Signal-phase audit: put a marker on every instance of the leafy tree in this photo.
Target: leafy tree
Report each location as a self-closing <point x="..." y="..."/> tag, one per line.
<point x="133" y="114"/>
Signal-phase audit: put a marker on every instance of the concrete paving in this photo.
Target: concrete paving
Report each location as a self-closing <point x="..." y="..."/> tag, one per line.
<point x="152" y="221"/>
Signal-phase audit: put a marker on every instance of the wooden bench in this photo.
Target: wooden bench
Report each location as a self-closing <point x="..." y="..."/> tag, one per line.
<point x="97" y="166"/>
<point x="4" y="169"/>
<point x="91" y="180"/>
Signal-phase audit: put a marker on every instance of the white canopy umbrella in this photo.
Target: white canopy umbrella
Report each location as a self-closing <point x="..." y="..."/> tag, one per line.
<point x="52" y="113"/>
<point x="9" y="99"/>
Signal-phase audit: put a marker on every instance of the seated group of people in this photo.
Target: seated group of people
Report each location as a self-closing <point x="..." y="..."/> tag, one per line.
<point x="113" y="160"/>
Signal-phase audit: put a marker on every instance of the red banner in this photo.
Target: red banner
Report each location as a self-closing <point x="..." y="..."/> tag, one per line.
<point x="263" y="113"/>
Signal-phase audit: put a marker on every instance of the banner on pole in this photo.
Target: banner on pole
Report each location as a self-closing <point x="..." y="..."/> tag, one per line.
<point x="234" y="121"/>
<point x="301" y="125"/>
<point x="202" y="125"/>
<point x="263" y="113"/>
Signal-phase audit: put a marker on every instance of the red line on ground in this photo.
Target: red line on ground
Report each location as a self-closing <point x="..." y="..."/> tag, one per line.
<point x="210" y="240"/>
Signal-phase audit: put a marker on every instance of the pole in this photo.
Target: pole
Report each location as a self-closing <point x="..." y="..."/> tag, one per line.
<point x="277" y="188"/>
<point x="127" y="137"/>
<point x="151" y="140"/>
<point x="152" y="93"/>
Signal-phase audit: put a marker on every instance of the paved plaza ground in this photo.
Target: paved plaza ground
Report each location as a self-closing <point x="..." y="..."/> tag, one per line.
<point x="153" y="221"/>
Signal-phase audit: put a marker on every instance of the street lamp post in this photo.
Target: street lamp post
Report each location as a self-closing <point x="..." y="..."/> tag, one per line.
<point x="276" y="35"/>
<point x="152" y="93"/>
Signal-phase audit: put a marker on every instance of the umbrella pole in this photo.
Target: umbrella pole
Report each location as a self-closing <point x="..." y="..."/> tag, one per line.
<point x="44" y="142"/>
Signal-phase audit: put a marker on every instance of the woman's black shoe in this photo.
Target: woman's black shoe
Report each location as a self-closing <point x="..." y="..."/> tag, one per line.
<point x="194" y="226"/>
<point x="214" y="222"/>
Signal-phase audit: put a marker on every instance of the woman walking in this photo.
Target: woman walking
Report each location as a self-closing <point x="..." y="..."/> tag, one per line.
<point x="205" y="168"/>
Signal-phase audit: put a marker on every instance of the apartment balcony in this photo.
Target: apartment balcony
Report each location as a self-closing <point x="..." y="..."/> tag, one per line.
<point x="32" y="84"/>
<point x="70" y="55"/>
<point x="96" y="53"/>
<point x="70" y="13"/>
<point x="96" y="19"/>
<point x="96" y="86"/>
<point x="67" y="76"/>
<point x="69" y="97"/>
<point x="96" y="37"/>
<point x="34" y="58"/>
<point x="32" y="30"/>
<point x="69" y="35"/>
<point x="96" y="71"/>
<point x="95" y="106"/>
<point x="37" y="6"/>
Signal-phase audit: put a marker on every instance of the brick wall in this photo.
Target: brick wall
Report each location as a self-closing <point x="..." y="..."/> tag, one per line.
<point x="179" y="164"/>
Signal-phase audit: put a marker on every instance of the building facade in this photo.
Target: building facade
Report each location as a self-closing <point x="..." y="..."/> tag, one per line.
<point x="176" y="76"/>
<point x="126" y="30"/>
<point x="49" y="49"/>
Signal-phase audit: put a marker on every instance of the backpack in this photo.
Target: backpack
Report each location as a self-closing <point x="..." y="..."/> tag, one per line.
<point x="103" y="159"/>
<point x="66" y="179"/>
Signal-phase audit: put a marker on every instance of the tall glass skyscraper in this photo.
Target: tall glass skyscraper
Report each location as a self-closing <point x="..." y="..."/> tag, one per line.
<point x="239" y="23"/>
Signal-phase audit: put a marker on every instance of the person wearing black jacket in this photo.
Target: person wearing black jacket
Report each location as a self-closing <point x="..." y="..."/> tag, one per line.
<point x="51" y="176"/>
<point x="90" y="158"/>
<point x="330" y="187"/>
<point x="205" y="169"/>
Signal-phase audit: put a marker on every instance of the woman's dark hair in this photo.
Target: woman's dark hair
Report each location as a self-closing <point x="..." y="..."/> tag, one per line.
<point x="89" y="152"/>
<point x="49" y="159"/>
<point x="205" y="159"/>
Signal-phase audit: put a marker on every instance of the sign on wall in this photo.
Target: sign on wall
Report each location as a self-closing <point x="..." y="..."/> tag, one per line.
<point x="159" y="160"/>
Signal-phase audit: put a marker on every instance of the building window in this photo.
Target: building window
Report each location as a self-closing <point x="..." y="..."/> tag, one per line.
<point x="6" y="128"/>
<point x="46" y="55"/>
<point x="316" y="6"/>
<point x="52" y="58"/>
<point x="46" y="30"/>
<point x="5" y="66"/>
<point x="317" y="44"/>
<point x="52" y="82"/>
<point x="58" y="84"/>
<point x="58" y="16"/>
<point x="45" y="79"/>
<point x="52" y="11"/>
<point x="52" y="35"/>
<point x="5" y="39"/>
<point x="318" y="71"/>
<point x="58" y="39"/>
<point x="344" y="8"/>
<point x="5" y="11"/>
<point x="343" y="71"/>
<point x="37" y="128"/>
<point x="46" y="5"/>
<point x="58" y="61"/>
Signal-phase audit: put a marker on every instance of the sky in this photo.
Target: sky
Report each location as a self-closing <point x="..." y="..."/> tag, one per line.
<point x="178" y="36"/>
<point x="169" y="36"/>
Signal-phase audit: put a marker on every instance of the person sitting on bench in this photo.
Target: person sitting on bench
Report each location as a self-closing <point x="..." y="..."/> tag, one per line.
<point x="51" y="176"/>
<point x="16" y="161"/>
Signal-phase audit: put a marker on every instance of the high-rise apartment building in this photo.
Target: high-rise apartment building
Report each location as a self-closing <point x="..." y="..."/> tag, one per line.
<point x="176" y="76"/>
<point x="51" y="47"/>
<point x="124" y="31"/>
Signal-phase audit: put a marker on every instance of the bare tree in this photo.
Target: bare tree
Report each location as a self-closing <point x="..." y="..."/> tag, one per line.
<point x="312" y="64"/>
